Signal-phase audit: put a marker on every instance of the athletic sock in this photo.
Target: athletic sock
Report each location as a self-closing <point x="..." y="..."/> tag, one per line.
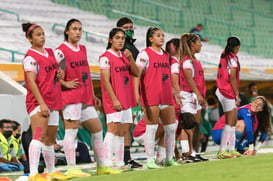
<point x="49" y="157"/>
<point x="127" y="154"/>
<point x="224" y="138"/>
<point x="98" y="147"/>
<point x="35" y="147"/>
<point x="169" y="140"/>
<point x="119" y="150"/>
<point x="149" y="141"/>
<point x="108" y="148"/>
<point x="70" y="139"/>
<point x="161" y="153"/>
<point x="232" y="139"/>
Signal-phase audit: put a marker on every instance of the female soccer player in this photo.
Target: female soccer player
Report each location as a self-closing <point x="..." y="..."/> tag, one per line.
<point x="156" y="95"/>
<point x="79" y="99"/>
<point x="192" y="85"/>
<point x="252" y="117"/>
<point x="43" y="101"/>
<point x="228" y="95"/>
<point x="117" y="70"/>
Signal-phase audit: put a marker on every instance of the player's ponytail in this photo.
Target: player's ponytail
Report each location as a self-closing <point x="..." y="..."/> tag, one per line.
<point x="232" y="42"/>
<point x="185" y="45"/>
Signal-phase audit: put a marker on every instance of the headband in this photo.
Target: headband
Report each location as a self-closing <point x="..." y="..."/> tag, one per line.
<point x="194" y="37"/>
<point x="30" y="29"/>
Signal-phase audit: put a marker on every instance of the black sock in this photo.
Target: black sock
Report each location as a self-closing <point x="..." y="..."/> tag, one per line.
<point x="127" y="154"/>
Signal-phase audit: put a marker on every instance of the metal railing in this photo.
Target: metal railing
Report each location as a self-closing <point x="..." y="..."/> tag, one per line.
<point x="12" y="53"/>
<point x="11" y="12"/>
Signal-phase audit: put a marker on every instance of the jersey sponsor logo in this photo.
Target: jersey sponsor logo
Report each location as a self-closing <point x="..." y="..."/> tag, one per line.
<point x="84" y="76"/>
<point x="79" y="63"/>
<point x="122" y="68"/>
<point x="165" y="77"/>
<point x="161" y="65"/>
<point x="126" y="80"/>
<point x="51" y="67"/>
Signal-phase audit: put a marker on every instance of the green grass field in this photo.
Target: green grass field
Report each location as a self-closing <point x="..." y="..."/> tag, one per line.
<point x="258" y="168"/>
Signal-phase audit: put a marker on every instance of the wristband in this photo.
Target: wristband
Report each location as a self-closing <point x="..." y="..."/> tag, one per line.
<point x="251" y="147"/>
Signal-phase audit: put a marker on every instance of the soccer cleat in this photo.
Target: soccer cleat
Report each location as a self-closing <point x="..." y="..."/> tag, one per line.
<point x="37" y="177"/>
<point x="152" y="165"/>
<point x="203" y="159"/>
<point x="106" y="170"/>
<point x="76" y="172"/>
<point x="56" y="176"/>
<point x="224" y="155"/>
<point x="235" y="153"/>
<point x="171" y="163"/>
<point x="134" y="164"/>
<point x="191" y="159"/>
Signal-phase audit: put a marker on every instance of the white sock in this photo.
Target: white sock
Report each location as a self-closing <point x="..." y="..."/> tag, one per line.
<point x="224" y="138"/>
<point x="70" y="139"/>
<point x="108" y="148"/>
<point x="185" y="146"/>
<point x="232" y="139"/>
<point x="161" y="153"/>
<point x="98" y="147"/>
<point x="149" y="141"/>
<point x="193" y="154"/>
<point x="118" y="150"/>
<point x="169" y="140"/>
<point x="34" y="152"/>
<point x="49" y="157"/>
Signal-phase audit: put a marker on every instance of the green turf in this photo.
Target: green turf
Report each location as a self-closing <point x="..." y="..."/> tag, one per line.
<point x="242" y="169"/>
<point x="237" y="169"/>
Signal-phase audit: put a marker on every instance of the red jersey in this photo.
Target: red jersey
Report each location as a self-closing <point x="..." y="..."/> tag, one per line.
<point x="77" y="67"/>
<point x="46" y="80"/>
<point x="140" y="128"/>
<point x="156" y="83"/>
<point x="223" y="77"/>
<point x="122" y="82"/>
<point x="198" y="77"/>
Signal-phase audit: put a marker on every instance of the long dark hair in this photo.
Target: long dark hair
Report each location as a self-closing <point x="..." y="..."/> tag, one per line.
<point x="112" y="33"/>
<point x="149" y="34"/>
<point x="186" y="121"/>
<point x="264" y="116"/>
<point x="175" y="42"/>
<point x="232" y="42"/>
<point x="185" y="45"/>
<point x="68" y="24"/>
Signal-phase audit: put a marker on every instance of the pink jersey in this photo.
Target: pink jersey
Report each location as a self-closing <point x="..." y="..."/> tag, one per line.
<point x="121" y="81"/>
<point x="198" y="77"/>
<point x="77" y="67"/>
<point x="46" y="80"/>
<point x="223" y="77"/>
<point x="156" y="83"/>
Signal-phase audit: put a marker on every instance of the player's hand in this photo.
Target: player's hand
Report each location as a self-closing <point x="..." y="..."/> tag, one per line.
<point x="128" y="54"/>
<point x="178" y="99"/>
<point x="250" y="152"/>
<point x="237" y="101"/>
<point x="60" y="74"/>
<point x="97" y="102"/>
<point x="72" y="84"/>
<point x="117" y="105"/>
<point x="44" y="111"/>
<point x="201" y="100"/>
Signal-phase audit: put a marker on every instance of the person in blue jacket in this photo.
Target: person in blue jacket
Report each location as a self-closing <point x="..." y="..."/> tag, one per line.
<point x="251" y="118"/>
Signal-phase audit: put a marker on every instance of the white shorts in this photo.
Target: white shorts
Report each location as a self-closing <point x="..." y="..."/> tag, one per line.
<point x="189" y="103"/>
<point x="162" y="106"/>
<point x="80" y="112"/>
<point x="227" y="104"/>
<point x="140" y="139"/>
<point x="124" y="116"/>
<point x="53" y="119"/>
